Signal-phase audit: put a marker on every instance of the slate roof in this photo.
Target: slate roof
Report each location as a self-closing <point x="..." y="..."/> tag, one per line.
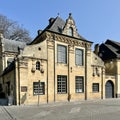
<point x="57" y="24"/>
<point x="9" y="68"/>
<point x="12" y="45"/>
<point x="110" y="50"/>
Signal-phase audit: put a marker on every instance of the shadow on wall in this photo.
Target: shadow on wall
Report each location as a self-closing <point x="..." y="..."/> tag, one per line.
<point x="24" y="97"/>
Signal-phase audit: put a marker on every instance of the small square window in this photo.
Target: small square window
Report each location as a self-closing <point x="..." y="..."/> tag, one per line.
<point x="95" y="87"/>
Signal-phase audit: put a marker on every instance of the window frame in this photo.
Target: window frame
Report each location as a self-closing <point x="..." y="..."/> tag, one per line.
<point x="79" y="57"/>
<point x="61" y="54"/>
<point x="37" y="65"/>
<point x="79" y="84"/>
<point x="40" y="90"/>
<point x="95" y="87"/>
<point x="70" y="31"/>
<point x="61" y="84"/>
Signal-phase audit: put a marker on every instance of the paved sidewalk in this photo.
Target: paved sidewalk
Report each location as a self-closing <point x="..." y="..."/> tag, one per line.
<point x="108" y="109"/>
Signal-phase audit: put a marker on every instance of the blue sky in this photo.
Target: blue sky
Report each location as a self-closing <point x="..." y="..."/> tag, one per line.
<point x="96" y="20"/>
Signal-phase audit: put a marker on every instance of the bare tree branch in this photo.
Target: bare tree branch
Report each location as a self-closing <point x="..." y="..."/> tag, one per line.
<point x="11" y="30"/>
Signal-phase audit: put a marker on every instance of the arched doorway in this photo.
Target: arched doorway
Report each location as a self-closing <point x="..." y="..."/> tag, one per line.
<point x="109" y="89"/>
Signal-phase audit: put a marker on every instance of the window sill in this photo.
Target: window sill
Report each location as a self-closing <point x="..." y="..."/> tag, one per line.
<point x="65" y="64"/>
<point x="79" y="92"/>
<point x="61" y="93"/>
<point x="95" y="92"/>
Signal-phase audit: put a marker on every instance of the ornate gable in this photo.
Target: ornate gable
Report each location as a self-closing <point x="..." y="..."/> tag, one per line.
<point x="70" y="28"/>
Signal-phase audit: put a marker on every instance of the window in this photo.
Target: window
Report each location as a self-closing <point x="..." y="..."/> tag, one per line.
<point x="62" y="54"/>
<point x="79" y="84"/>
<point x="38" y="88"/>
<point x="95" y="87"/>
<point x="61" y="84"/>
<point x="9" y="61"/>
<point x="79" y="57"/>
<point x="37" y="65"/>
<point x="70" y="31"/>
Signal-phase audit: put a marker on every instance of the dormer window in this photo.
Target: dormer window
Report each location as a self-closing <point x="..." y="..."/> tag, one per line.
<point x="70" y="31"/>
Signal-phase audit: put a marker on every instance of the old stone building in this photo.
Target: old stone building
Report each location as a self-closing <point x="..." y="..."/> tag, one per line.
<point x="110" y="54"/>
<point x="58" y="65"/>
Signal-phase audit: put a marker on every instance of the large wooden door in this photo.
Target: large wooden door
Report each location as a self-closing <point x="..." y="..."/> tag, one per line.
<point x="109" y="89"/>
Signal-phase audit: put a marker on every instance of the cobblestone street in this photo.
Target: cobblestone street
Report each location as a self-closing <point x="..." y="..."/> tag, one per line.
<point x="83" y="110"/>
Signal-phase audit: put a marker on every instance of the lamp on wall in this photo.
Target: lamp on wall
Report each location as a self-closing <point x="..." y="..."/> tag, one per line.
<point x="111" y="61"/>
<point x="93" y="71"/>
<point x="71" y="69"/>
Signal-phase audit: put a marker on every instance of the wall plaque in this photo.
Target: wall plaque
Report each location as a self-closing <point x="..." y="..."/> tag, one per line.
<point x="23" y="88"/>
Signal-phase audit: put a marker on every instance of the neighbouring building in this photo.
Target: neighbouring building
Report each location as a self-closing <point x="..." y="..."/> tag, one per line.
<point x="58" y="65"/>
<point x="110" y="54"/>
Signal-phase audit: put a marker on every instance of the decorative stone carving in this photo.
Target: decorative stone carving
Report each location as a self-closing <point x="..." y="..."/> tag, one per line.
<point x="33" y="69"/>
<point x="42" y="70"/>
<point x="22" y="63"/>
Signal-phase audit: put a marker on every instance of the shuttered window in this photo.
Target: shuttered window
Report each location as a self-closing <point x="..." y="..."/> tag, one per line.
<point x="61" y="54"/>
<point x="79" y="57"/>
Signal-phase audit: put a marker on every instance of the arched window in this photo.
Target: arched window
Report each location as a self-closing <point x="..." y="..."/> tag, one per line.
<point x="37" y="65"/>
<point x="70" y="31"/>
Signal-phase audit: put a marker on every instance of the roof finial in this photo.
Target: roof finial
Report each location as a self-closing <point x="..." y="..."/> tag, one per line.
<point x="70" y="15"/>
<point x="58" y="14"/>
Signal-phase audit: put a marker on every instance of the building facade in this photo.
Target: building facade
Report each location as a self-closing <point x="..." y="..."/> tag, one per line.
<point x="58" y="65"/>
<point x="110" y="54"/>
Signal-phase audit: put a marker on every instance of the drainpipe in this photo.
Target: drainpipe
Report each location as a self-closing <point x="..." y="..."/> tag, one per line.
<point x="85" y="71"/>
<point x="102" y="77"/>
<point x="47" y="72"/>
<point x="14" y="92"/>
<point x="69" y="96"/>
<point x="18" y="81"/>
<point x="54" y="70"/>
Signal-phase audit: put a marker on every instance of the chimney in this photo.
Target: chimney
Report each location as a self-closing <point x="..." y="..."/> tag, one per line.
<point x="51" y="20"/>
<point x="39" y="32"/>
<point x="96" y="49"/>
